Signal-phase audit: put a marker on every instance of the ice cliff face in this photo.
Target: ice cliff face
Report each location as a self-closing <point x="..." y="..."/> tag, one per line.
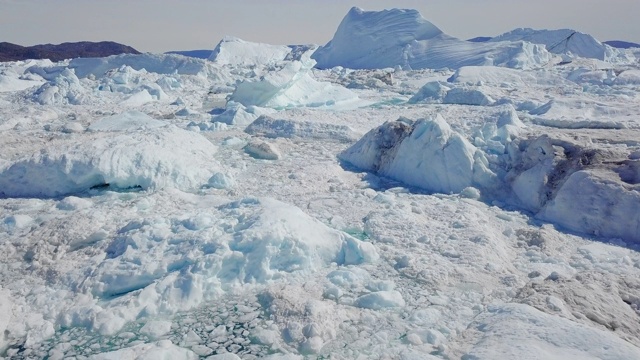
<point x="398" y="37"/>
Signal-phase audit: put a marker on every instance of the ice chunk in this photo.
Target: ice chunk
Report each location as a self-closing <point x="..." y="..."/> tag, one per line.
<point x="284" y="128"/>
<point x="237" y="52"/>
<point x="594" y="203"/>
<point x="431" y="91"/>
<point x="380" y="300"/>
<point x="5" y="315"/>
<point x="156" y="63"/>
<point x="238" y="114"/>
<point x="262" y="150"/>
<point x="427" y="154"/>
<point x="162" y="350"/>
<point x="520" y="331"/>
<point x="221" y="181"/>
<point x="473" y="75"/>
<point x="10" y="81"/>
<point x="156" y="328"/>
<point x="137" y="99"/>
<point x="63" y="89"/>
<point x="130" y="120"/>
<point x="156" y="158"/>
<point x="71" y="203"/>
<point x="291" y="86"/>
<point x="467" y="96"/>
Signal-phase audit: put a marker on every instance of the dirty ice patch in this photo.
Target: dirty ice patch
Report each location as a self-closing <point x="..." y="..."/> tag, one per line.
<point x="155" y="158"/>
<point x="130" y="120"/>
<point x="519" y="331"/>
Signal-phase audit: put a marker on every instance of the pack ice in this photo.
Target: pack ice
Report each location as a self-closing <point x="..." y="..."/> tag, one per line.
<point x="408" y="196"/>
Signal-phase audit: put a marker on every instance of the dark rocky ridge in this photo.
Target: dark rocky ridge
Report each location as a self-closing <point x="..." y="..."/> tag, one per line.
<point x="69" y="50"/>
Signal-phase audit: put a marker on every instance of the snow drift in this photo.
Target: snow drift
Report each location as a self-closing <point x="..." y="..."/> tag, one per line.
<point x="390" y="38"/>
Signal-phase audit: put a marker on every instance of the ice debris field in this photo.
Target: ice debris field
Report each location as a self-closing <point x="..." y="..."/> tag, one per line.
<point x="394" y="194"/>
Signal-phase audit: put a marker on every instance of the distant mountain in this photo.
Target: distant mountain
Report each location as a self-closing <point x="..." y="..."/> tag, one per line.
<point x="622" y="44"/>
<point x="480" y="39"/>
<point x="200" y="54"/>
<point x="13" y="52"/>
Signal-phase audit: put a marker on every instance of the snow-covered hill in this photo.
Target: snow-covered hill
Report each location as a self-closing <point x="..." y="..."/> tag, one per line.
<point x="253" y="206"/>
<point x="390" y="38"/>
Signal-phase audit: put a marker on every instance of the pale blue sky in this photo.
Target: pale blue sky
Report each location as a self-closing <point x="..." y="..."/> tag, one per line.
<point x="162" y="25"/>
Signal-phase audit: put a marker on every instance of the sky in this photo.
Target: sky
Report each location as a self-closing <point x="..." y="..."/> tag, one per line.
<point x="164" y="25"/>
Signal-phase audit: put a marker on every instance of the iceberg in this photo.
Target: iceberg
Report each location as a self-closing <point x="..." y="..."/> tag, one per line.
<point x="399" y="37"/>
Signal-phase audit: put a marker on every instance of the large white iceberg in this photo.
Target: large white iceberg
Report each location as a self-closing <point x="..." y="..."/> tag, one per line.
<point x="398" y="37"/>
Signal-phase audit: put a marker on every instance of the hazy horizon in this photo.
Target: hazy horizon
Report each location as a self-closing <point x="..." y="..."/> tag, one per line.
<point x="165" y="25"/>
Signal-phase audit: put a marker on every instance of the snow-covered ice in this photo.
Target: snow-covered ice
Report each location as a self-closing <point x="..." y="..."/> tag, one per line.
<point x="412" y="196"/>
